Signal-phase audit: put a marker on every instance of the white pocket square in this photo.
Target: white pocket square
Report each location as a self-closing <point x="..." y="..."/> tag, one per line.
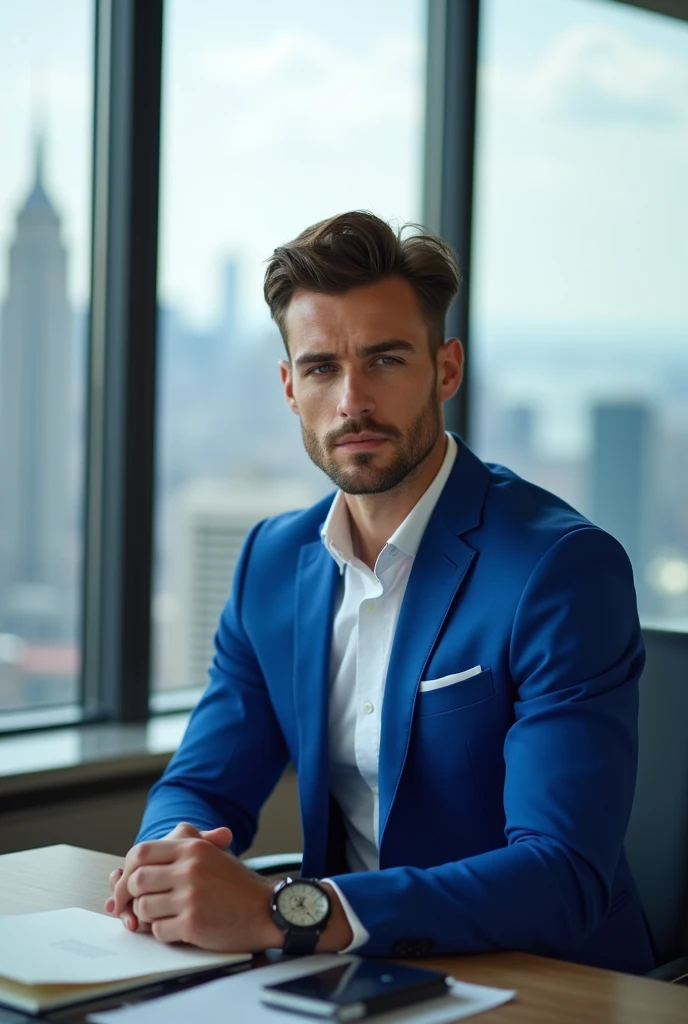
<point x="456" y="677"/>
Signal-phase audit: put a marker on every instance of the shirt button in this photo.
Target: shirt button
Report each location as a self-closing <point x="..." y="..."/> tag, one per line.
<point x="368" y="707"/>
<point x="371" y="606"/>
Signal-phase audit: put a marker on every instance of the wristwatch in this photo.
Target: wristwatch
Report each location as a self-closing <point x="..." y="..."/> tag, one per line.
<point x="301" y="908"/>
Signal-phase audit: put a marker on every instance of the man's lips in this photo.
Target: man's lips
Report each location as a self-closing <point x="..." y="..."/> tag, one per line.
<point x="361" y="442"/>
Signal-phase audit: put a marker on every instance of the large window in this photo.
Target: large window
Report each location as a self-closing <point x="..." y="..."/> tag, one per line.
<point x="273" y="117"/>
<point x="46" y="59"/>
<point x="579" y="290"/>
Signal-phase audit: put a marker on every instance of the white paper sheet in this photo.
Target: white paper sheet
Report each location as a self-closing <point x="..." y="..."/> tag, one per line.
<point x="237" y="998"/>
<point x="76" y="946"/>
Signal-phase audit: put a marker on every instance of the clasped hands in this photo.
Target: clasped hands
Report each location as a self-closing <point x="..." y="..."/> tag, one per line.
<point x="189" y="888"/>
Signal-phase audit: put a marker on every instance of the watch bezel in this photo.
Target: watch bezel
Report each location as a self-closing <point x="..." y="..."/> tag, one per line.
<point x="300" y="929"/>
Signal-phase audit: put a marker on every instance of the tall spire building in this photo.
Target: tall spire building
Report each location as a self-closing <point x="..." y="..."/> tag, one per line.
<point x="35" y="378"/>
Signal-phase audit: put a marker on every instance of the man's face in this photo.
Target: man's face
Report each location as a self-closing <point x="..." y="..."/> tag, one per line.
<point x="364" y="383"/>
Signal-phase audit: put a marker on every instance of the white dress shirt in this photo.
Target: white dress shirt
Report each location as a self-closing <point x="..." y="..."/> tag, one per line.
<point x="366" y="613"/>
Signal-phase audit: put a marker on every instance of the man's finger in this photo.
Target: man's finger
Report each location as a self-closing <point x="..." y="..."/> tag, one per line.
<point x="112" y="881"/>
<point x="154" y="906"/>
<point x="129" y="920"/>
<point x="120" y="897"/>
<point x="155" y="851"/>
<point x="114" y="878"/>
<point x="220" y="837"/>
<point x="120" y="893"/>
<point x="150" y="879"/>
<point x="184" y="830"/>
<point x="167" y="929"/>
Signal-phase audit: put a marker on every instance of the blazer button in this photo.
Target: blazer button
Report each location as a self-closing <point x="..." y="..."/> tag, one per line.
<point x="412" y="947"/>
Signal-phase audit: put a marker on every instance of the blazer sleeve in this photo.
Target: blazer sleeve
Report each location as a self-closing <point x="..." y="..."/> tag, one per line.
<point x="233" y="751"/>
<point x="576" y="655"/>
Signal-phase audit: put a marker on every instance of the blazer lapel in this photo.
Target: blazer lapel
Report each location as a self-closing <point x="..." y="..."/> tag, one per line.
<point x="316" y="586"/>
<point x="440" y="566"/>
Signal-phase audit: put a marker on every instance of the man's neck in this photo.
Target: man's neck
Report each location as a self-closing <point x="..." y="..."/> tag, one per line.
<point x="374" y="517"/>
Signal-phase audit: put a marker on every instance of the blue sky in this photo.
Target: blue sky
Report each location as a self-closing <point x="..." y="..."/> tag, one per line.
<point x="275" y="116"/>
<point x="581" y="211"/>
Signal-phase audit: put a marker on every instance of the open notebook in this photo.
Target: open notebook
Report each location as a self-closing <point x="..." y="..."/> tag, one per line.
<point x="60" y="957"/>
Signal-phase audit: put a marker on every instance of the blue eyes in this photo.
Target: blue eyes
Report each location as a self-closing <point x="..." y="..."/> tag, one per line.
<point x="324" y="369"/>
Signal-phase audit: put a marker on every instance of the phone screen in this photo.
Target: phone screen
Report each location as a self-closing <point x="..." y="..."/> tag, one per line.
<point x="362" y="980"/>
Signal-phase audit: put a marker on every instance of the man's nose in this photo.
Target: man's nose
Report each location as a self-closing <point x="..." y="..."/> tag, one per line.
<point x="355" y="399"/>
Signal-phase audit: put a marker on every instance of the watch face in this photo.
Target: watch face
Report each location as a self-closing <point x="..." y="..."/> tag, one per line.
<point x="302" y="904"/>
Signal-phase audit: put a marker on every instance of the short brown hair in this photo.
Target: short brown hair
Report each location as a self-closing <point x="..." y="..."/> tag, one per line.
<point x="358" y="248"/>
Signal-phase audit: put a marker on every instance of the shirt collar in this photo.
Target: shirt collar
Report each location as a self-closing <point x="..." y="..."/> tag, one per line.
<point x="336" y="531"/>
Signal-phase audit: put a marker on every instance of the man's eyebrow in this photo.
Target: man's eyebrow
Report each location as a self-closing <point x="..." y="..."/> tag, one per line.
<point x="379" y="348"/>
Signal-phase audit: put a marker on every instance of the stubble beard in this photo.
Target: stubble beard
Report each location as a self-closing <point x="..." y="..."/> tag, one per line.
<point x="412" y="448"/>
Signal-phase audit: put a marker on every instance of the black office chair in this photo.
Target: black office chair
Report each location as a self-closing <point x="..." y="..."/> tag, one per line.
<point x="657" y="837"/>
<point x="276" y="865"/>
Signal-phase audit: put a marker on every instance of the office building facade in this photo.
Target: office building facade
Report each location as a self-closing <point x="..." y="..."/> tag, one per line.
<point x="211" y="523"/>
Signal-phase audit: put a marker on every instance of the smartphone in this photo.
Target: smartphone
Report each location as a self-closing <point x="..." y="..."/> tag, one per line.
<point x="355" y="989"/>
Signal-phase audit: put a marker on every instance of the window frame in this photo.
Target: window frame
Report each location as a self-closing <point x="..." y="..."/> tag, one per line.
<point x="669" y="8"/>
<point x="115" y="681"/>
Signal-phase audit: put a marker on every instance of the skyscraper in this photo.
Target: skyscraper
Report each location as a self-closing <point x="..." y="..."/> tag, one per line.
<point x="622" y="487"/>
<point x="35" y="377"/>
<point x="230" y="323"/>
<point x="212" y="520"/>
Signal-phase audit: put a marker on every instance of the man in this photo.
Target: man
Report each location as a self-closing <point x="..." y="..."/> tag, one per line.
<point x="449" y="656"/>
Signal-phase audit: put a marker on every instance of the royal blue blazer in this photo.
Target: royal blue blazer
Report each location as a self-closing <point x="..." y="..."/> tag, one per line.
<point x="504" y="798"/>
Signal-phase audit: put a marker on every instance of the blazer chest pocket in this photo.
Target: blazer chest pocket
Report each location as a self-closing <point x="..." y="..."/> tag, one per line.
<point x="436" y="697"/>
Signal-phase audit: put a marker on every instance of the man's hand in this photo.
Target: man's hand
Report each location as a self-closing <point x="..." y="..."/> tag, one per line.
<point x="120" y="903"/>
<point x="188" y="890"/>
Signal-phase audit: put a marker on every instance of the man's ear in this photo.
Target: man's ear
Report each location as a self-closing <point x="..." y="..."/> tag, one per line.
<point x="288" y="385"/>
<point x="450" y="359"/>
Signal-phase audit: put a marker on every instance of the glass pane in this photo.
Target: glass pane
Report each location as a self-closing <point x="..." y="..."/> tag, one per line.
<point x="46" y="86"/>
<point x="274" y="117"/>
<point x="580" y="295"/>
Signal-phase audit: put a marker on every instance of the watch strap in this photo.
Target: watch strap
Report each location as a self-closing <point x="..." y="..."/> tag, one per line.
<point x="300" y="943"/>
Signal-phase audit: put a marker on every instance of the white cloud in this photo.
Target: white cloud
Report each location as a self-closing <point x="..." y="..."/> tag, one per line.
<point x="291" y="52"/>
<point x="278" y="92"/>
<point x="582" y="162"/>
<point x="595" y="75"/>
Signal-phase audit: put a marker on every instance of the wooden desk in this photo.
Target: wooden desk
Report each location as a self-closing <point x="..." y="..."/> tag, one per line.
<point x="549" y="991"/>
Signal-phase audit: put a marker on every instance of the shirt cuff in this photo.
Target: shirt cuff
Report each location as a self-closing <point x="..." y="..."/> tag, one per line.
<point x="361" y="934"/>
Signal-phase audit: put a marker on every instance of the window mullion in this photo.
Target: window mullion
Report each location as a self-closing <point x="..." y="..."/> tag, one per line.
<point x="121" y="413"/>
